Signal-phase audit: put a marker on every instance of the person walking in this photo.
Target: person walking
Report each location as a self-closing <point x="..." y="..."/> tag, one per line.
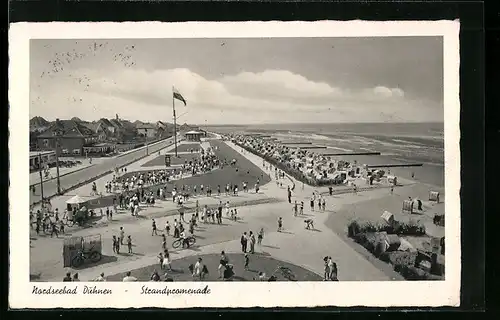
<point x="280" y="224"/>
<point x="332" y="268"/>
<point x="301" y="207"/>
<point x="122" y="235"/>
<point x="252" y="242"/>
<point x="289" y="194"/>
<point x="326" y="274"/>
<point x="129" y="244"/>
<point x="117" y="244"/>
<point x="164" y="242"/>
<point x="323" y="204"/>
<point x="219" y="213"/>
<point x="244" y="242"/>
<point x="153" y="225"/>
<point x="312" y="202"/>
<point x="176" y="229"/>
<point x="167" y="228"/>
<point x="54" y="230"/>
<point x="160" y="259"/>
<point x="247" y="262"/>
<point x="260" y="236"/>
<point x="167" y="265"/>
<point x="222" y="264"/>
<point x="114" y="244"/>
<point x="181" y="214"/>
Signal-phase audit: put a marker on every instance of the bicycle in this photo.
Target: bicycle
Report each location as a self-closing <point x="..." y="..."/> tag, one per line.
<point x="83" y="255"/>
<point x="177" y="243"/>
<point x="285" y="272"/>
<point x="67" y="222"/>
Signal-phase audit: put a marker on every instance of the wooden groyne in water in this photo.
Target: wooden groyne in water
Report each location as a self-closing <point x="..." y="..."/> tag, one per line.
<point x="351" y="154"/>
<point x="395" y="165"/>
<point x="312" y="147"/>
<point x="294" y="143"/>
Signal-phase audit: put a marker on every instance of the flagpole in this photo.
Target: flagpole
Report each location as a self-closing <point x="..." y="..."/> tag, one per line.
<point x="175" y="121"/>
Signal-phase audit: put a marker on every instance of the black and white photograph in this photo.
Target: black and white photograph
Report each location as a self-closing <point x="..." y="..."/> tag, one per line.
<point x="214" y="159"/>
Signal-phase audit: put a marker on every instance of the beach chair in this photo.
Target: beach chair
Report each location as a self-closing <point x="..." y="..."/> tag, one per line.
<point x="434" y="196"/>
<point x="407" y="206"/>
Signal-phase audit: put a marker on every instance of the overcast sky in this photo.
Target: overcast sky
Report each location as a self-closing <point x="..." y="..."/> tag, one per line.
<point x="238" y="81"/>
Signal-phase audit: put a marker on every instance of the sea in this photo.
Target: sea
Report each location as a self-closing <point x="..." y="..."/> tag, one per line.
<point x="398" y="143"/>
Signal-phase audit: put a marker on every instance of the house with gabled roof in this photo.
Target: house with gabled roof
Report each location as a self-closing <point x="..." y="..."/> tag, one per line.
<point x="103" y="129"/>
<point x="147" y="130"/>
<point x="72" y="137"/>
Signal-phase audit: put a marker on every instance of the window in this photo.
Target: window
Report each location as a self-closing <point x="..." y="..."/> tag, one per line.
<point x="76" y="151"/>
<point x="46" y="142"/>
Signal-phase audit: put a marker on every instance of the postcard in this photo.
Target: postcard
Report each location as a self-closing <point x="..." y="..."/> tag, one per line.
<point x="234" y="164"/>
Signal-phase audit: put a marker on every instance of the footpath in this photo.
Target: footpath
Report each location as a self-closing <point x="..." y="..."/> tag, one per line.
<point x="85" y="189"/>
<point x="295" y="244"/>
<point x="352" y="265"/>
<point x="86" y="175"/>
<point x="35" y="176"/>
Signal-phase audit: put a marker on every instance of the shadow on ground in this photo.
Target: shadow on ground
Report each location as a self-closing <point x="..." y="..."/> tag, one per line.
<point x="105" y="259"/>
<point x="257" y="263"/>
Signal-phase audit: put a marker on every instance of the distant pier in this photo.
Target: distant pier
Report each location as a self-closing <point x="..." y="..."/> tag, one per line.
<point x="312" y="147"/>
<point x="294" y="143"/>
<point x="401" y="165"/>
<point x="351" y="154"/>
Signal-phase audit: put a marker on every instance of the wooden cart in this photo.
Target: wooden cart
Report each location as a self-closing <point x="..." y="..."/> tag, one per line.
<point x="73" y="247"/>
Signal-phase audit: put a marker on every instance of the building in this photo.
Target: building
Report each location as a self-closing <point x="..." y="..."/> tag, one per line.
<point x="47" y="158"/>
<point x="194" y="135"/>
<point x="72" y="135"/>
<point x="99" y="149"/>
<point x="104" y="130"/>
<point x="147" y="130"/>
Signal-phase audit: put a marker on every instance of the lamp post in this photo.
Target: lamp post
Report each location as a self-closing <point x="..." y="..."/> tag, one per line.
<point x="147" y="148"/>
<point x="58" y="134"/>
<point x="41" y="176"/>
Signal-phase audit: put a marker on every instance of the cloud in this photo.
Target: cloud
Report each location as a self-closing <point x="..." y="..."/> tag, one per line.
<point x="271" y="95"/>
<point x="388" y="92"/>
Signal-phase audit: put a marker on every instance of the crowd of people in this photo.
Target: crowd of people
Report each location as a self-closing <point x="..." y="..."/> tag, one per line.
<point x="308" y="164"/>
<point x="133" y="190"/>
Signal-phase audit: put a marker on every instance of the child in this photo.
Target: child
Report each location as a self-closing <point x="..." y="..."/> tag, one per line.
<point x="247" y="260"/>
<point x="129" y="244"/>
<point x="167" y="228"/>
<point x="114" y="244"/>
<point x="164" y="242"/>
<point x="260" y="236"/>
<point x="160" y="260"/>
<point x="166" y="262"/>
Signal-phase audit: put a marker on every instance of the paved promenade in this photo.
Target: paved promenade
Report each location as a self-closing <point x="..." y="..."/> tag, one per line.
<point x="75" y="178"/>
<point x="296" y="244"/>
<point x="85" y="190"/>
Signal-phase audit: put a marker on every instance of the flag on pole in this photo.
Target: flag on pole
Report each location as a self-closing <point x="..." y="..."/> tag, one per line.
<point x="178" y="96"/>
